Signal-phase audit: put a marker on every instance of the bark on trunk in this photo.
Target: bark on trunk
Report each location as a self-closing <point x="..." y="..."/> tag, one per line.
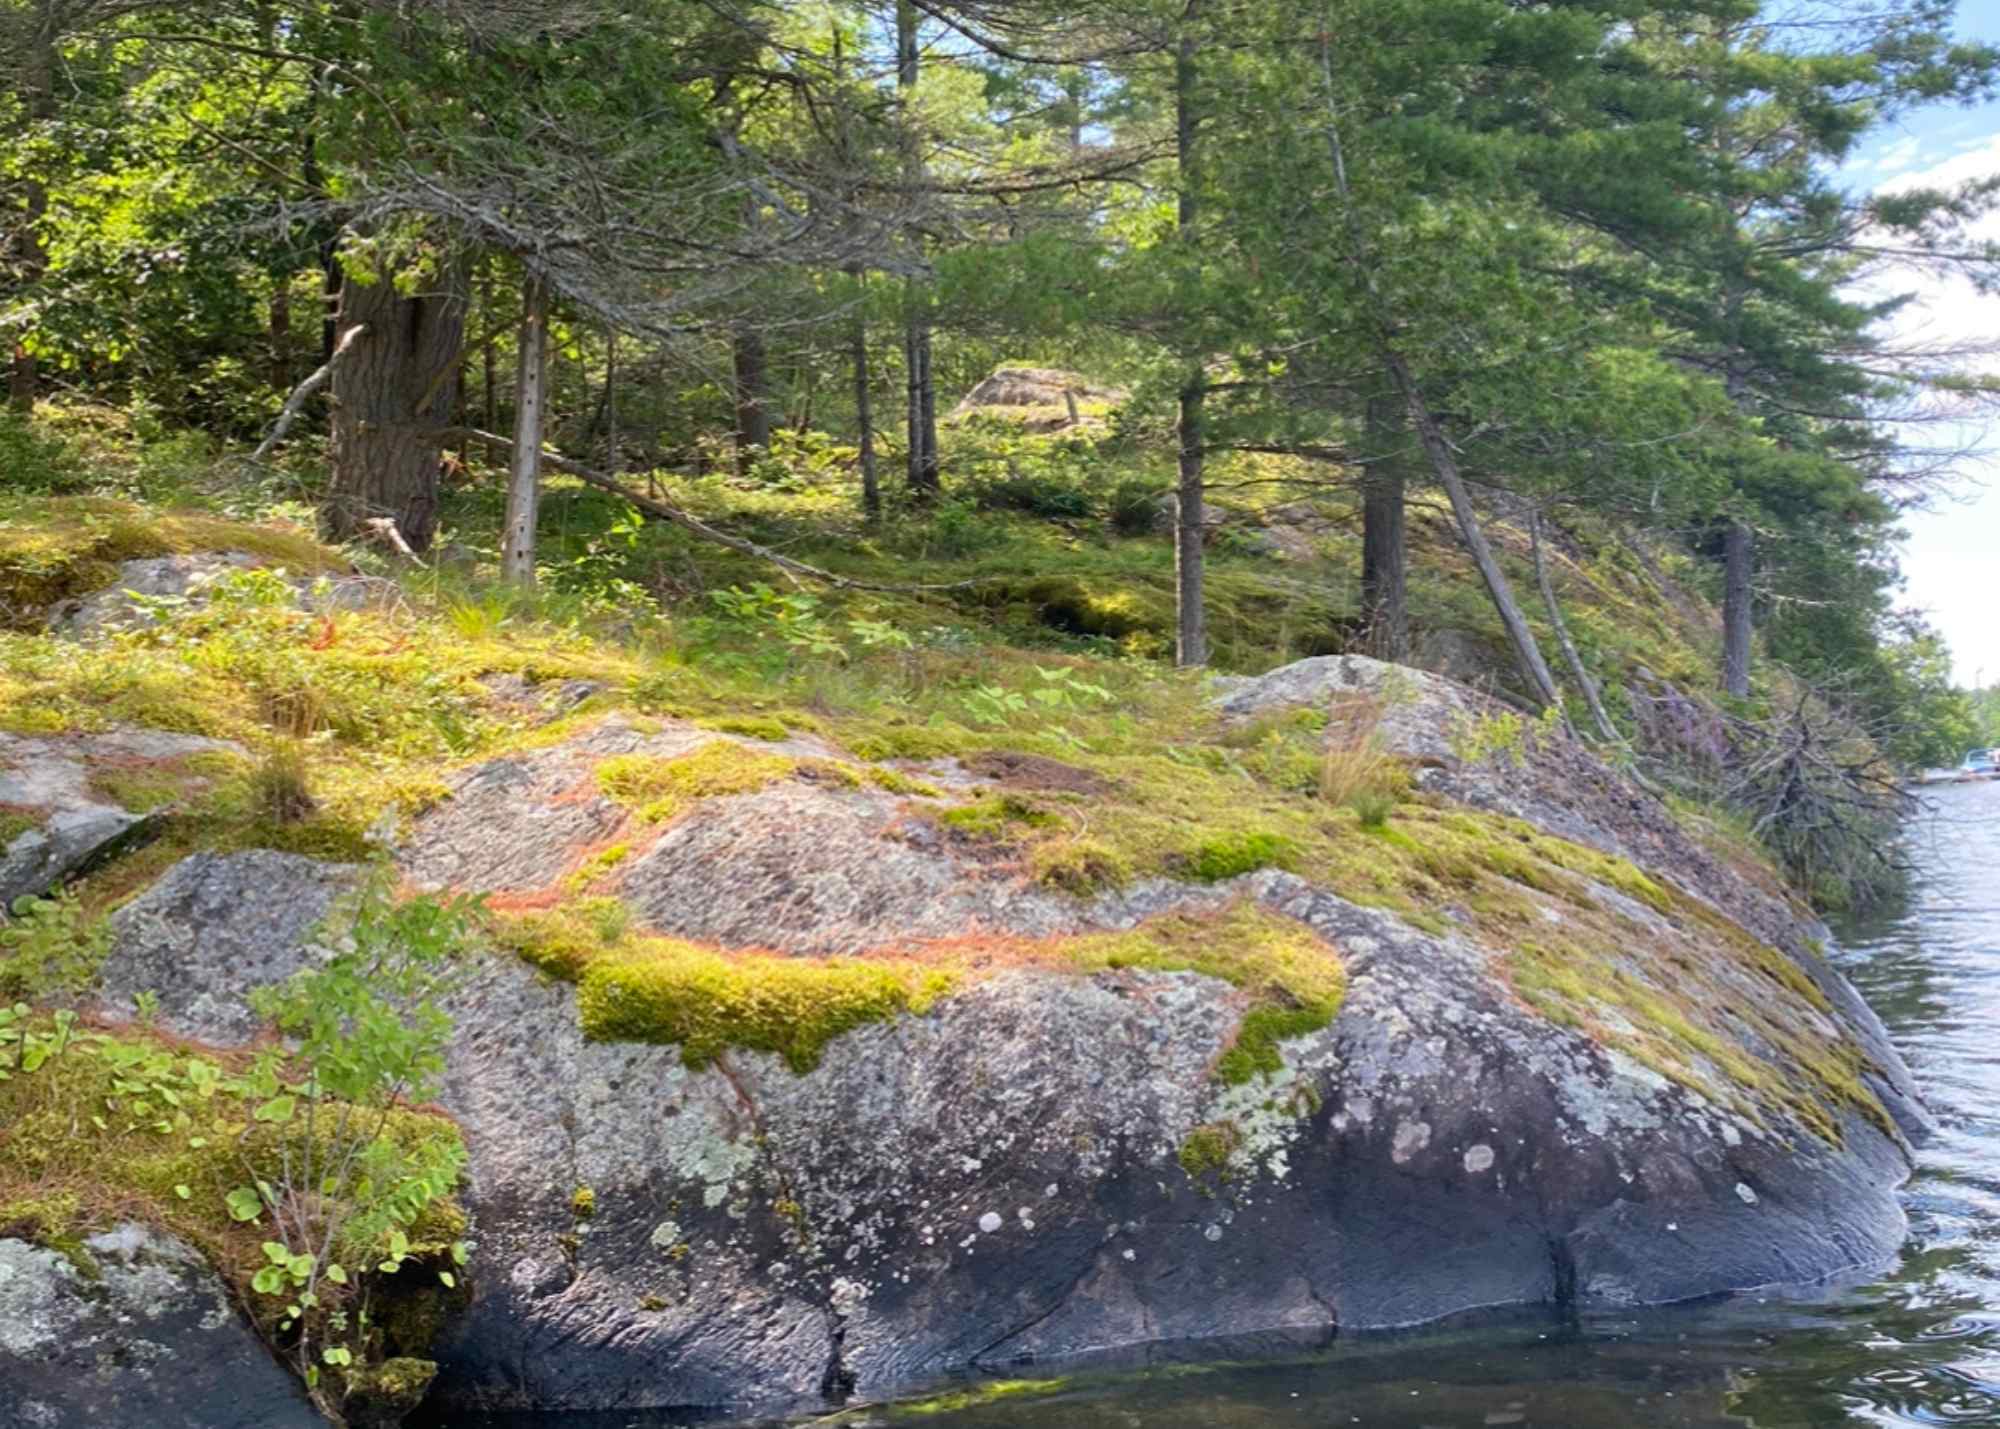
<point x="393" y="395"/>
<point x="280" y="331"/>
<point x="864" y="417"/>
<point x="1385" y="620"/>
<point x="524" y="474"/>
<point x="753" y="399"/>
<point x="1738" y="557"/>
<point x="1190" y="625"/>
<point x="920" y="406"/>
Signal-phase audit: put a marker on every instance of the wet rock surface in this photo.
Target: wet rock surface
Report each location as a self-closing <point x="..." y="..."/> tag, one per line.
<point x="145" y="1335"/>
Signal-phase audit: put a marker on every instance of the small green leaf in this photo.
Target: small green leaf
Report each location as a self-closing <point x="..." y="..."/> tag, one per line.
<point x="277" y="1109"/>
<point x="336" y="1273"/>
<point x="244" y="1203"/>
<point x="449" y="1281"/>
<point x="268" y="1281"/>
<point x="277" y="1252"/>
<point x="182" y="1191"/>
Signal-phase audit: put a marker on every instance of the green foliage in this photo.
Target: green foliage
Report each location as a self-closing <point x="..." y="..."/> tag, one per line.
<point x="51" y="947"/>
<point x="366" y="1035"/>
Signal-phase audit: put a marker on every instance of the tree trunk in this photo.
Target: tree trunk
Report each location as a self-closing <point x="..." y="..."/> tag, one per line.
<point x="1571" y="655"/>
<point x="524" y="473"/>
<point x="1385" y="620"/>
<point x="280" y="330"/>
<point x="1190" y="624"/>
<point x="393" y="395"/>
<point x="38" y="80"/>
<point x="753" y="398"/>
<point x="1190" y="610"/>
<point x="1738" y="557"/>
<point x="922" y="471"/>
<point x="1527" y="652"/>
<point x="864" y="417"/>
<point x="1430" y="437"/>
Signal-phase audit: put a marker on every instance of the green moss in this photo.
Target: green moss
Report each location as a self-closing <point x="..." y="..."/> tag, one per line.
<point x="876" y="740"/>
<point x="750" y="726"/>
<point x="13" y="825"/>
<point x="138" y="791"/>
<point x="597" y="867"/>
<point x="897" y="782"/>
<point x="384" y="1393"/>
<point x="1079" y="866"/>
<point x="660" y="990"/>
<point x="658" y="789"/>
<point x="1227" y="855"/>
<point x="998" y="816"/>
<point x="1296" y="980"/>
<point x="583" y="1203"/>
<point x="1207" y="1149"/>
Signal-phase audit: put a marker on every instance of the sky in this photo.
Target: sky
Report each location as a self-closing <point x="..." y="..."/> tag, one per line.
<point x="1951" y="556"/>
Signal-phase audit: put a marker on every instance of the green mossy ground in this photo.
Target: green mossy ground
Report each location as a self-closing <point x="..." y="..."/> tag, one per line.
<point x="381" y="704"/>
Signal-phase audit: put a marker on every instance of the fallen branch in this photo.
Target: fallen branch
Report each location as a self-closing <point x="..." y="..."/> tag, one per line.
<point x="661" y="511"/>
<point x="296" y="403"/>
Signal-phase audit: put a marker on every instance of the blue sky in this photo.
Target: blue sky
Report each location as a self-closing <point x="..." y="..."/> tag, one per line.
<point x="1951" y="559"/>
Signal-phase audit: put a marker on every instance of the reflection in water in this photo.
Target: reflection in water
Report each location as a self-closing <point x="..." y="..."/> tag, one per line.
<point x="1919" y="1347"/>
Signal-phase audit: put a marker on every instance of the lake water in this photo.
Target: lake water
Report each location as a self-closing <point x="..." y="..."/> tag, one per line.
<point x="1918" y="1346"/>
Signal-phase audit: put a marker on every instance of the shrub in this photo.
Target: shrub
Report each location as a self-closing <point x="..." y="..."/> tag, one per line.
<point x="280" y="788"/>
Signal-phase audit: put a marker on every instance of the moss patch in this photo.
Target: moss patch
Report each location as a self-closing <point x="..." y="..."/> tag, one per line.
<point x="1207" y="1149"/>
<point x="1295" y="979"/>
<point x="662" y="990"/>
<point x="657" y="789"/>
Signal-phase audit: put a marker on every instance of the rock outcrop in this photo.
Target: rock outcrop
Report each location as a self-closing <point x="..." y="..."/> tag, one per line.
<point x="1046" y="1150"/>
<point x="56" y="814"/>
<point x="132" y="1329"/>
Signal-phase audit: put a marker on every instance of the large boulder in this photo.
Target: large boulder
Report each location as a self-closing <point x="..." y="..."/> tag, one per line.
<point x="211" y="931"/>
<point x="134" y="1329"/>
<point x="1047" y="1157"/>
<point x="57" y="818"/>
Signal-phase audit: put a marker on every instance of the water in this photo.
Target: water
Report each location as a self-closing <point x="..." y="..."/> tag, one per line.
<point x="1919" y="1346"/>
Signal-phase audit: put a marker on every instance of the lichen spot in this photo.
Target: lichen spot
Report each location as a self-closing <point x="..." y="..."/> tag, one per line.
<point x="990" y="1222"/>
<point x="1744" y="1194"/>
<point x="1478" y="1158"/>
<point x="1411" y="1137"/>
<point x="666" y="1235"/>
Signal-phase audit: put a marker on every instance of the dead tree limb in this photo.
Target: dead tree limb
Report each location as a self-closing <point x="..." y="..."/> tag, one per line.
<point x="1570" y="653"/>
<point x="302" y="393"/>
